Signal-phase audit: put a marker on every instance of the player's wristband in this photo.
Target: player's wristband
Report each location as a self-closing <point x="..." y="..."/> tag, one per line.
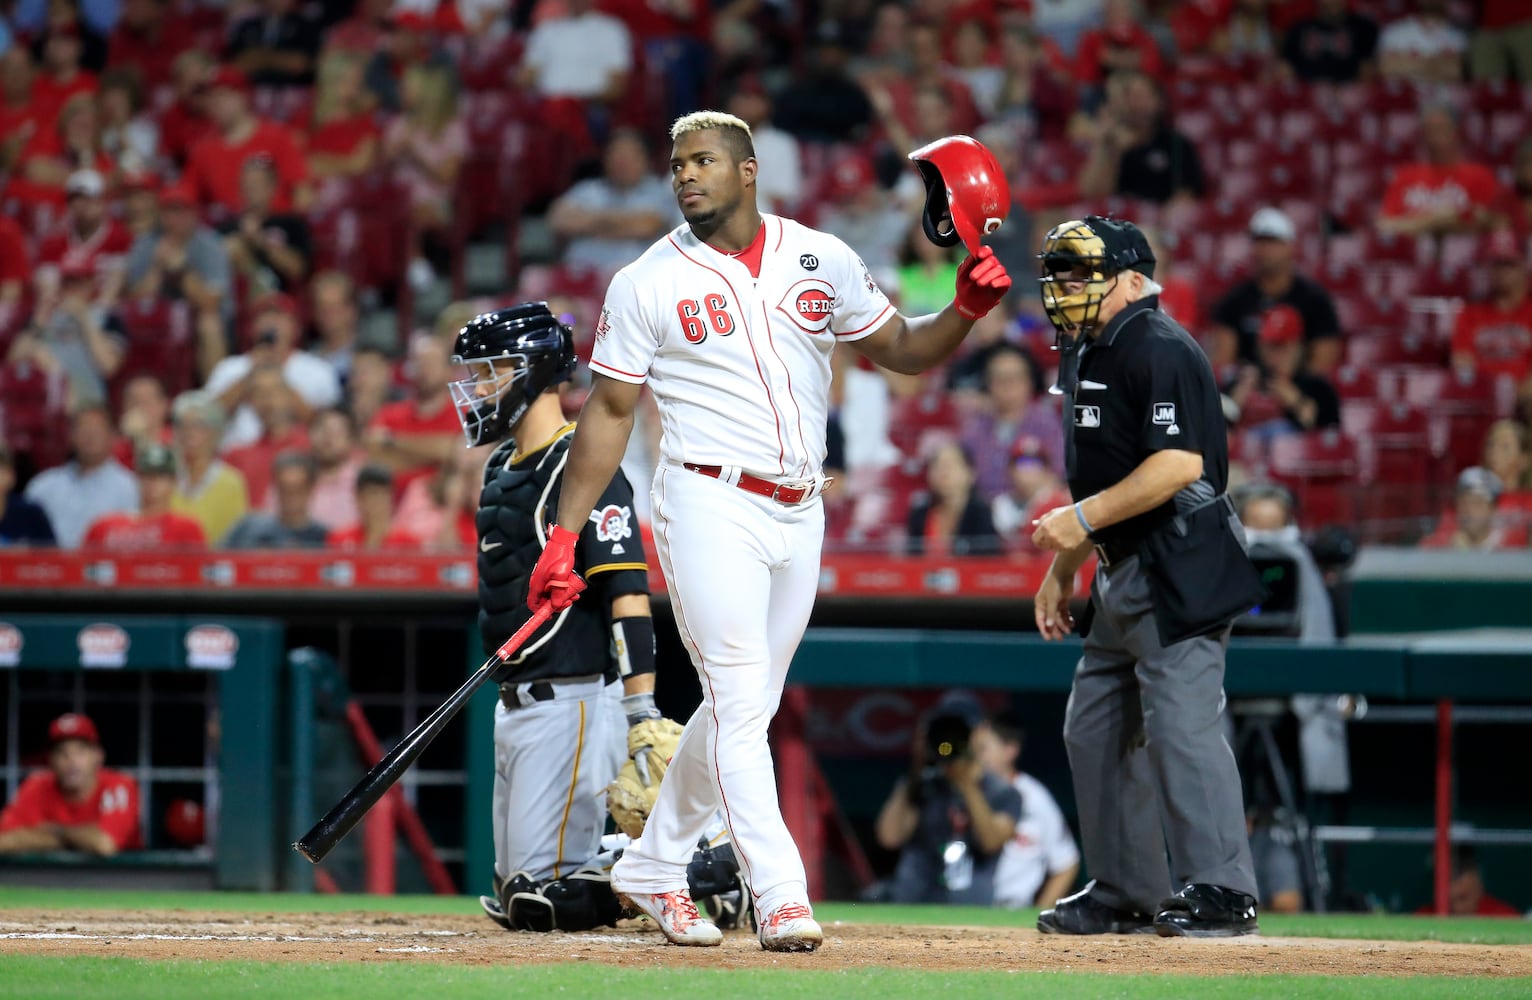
<point x="638" y="707"/>
<point x="1080" y="513"/>
<point x="633" y="645"/>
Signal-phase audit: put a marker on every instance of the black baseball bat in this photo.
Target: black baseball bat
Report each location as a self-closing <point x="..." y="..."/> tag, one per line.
<point x="345" y="814"/>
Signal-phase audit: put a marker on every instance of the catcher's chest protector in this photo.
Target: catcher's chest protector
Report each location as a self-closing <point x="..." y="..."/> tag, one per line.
<point x="509" y="535"/>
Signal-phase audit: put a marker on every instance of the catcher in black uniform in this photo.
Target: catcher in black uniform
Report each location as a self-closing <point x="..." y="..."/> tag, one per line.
<point x="577" y="731"/>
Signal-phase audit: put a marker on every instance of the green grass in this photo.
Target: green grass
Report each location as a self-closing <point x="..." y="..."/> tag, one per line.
<point x="1386" y="927"/>
<point x="25" y="977"/>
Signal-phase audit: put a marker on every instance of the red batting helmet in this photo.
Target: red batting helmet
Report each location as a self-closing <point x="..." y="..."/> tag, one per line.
<point x="963" y="180"/>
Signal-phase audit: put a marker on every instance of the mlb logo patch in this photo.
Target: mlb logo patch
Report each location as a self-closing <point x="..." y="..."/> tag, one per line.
<point x="1087" y="416"/>
<point x="1165" y="414"/>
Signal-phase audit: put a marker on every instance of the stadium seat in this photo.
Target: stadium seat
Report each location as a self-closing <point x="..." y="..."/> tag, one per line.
<point x="1353" y="382"/>
<point x="1399" y="466"/>
<point x="1462" y="406"/>
<point x="1320" y="469"/>
<point x="913" y="420"/>
<point x="33" y="414"/>
<point x="161" y="342"/>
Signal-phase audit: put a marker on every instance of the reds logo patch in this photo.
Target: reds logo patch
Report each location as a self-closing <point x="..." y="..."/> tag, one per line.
<point x="809" y="304"/>
<point x="604" y="324"/>
<point x="613" y="523"/>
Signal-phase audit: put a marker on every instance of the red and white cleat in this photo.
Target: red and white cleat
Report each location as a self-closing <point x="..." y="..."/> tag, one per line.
<point x="676" y="915"/>
<point x="791" y="927"/>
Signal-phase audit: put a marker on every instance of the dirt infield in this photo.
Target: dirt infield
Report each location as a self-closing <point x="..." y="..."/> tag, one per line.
<point x="473" y="940"/>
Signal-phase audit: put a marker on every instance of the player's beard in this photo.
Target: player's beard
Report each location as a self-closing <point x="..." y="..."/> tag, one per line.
<point x="710" y="218"/>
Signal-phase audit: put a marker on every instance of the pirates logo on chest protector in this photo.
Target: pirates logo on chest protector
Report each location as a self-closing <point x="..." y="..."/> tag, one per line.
<point x="809" y="304"/>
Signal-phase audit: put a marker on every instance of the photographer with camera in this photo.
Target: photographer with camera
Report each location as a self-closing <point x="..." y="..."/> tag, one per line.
<point x="949" y="818"/>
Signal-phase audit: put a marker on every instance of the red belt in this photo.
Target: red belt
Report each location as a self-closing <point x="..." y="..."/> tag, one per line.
<point x="780" y="492"/>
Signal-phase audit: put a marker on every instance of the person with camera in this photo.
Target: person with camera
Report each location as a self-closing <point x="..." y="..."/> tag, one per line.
<point x="949" y="818"/>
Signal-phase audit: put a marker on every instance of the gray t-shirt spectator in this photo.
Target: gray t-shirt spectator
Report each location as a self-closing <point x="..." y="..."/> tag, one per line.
<point x="73" y="499"/>
<point x="205" y="256"/>
<point x="264" y="531"/>
<point x="919" y="876"/>
<point x="66" y="342"/>
<point x="652" y="194"/>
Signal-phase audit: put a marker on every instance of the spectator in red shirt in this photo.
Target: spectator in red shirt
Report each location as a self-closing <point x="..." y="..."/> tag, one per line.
<point x="1466" y="894"/>
<point x="1475" y="523"/>
<point x="185" y="123"/>
<point x="436" y="511"/>
<point x="218" y="160"/>
<point x="76" y="804"/>
<point x="415" y="436"/>
<point x="276" y="406"/>
<point x="928" y="71"/>
<point x="1445" y="193"/>
<point x="56" y="154"/>
<point x="342" y="135"/>
<point x="145" y="417"/>
<point x="374" y="528"/>
<point x="89" y="240"/>
<point x="148" y="37"/>
<point x="62" y="76"/>
<point x="18" y="115"/>
<point x="1495" y="336"/>
<point x="155" y="528"/>
<point x="1119" y="44"/>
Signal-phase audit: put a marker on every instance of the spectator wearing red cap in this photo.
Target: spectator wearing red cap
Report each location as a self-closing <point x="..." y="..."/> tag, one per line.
<point x="185" y="123"/>
<point x="1119" y="44"/>
<point x="863" y="213"/>
<point x="76" y="804"/>
<point x="155" y="527"/>
<point x="218" y="160"/>
<point x="1445" y="192"/>
<point x="1277" y="396"/>
<point x="1495" y="336"/>
<point x="276" y="46"/>
<point x="269" y="249"/>
<point x="182" y="260"/>
<point x="1034" y="490"/>
<point x="1274" y="280"/>
<point x="147" y="39"/>
<point x="275" y="330"/>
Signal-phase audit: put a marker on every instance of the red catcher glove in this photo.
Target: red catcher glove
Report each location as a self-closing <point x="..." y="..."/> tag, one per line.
<point x="554" y="580"/>
<point x="981" y="284"/>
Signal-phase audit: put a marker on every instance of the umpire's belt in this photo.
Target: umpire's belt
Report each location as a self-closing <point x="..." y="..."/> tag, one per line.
<point x="788" y="494"/>
<point x="514" y="695"/>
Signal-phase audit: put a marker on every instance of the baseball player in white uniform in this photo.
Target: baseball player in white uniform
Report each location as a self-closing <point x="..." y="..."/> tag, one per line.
<point x="731" y="319"/>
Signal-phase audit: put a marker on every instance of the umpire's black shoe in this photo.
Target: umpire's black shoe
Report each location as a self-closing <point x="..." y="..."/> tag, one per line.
<point x="1201" y="910"/>
<point x="1082" y="913"/>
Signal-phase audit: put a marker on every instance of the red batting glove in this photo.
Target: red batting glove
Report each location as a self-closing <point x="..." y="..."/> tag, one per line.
<point x="554" y="580"/>
<point x="981" y="284"/>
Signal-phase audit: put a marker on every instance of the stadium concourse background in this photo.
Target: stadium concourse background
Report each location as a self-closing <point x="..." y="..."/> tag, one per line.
<point x="186" y="186"/>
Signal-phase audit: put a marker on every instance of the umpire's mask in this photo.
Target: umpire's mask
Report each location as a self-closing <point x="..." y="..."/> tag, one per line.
<point x="1079" y="265"/>
<point x="513" y="356"/>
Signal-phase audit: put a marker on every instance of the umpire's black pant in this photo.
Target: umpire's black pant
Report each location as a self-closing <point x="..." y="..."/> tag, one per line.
<point x="1151" y="766"/>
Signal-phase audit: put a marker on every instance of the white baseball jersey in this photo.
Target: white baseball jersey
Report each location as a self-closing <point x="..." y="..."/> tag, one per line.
<point x="739" y="366"/>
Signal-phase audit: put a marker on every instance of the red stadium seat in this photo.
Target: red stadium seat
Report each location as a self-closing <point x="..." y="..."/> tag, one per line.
<point x="1462" y="407"/>
<point x="1320" y="469"/>
<point x="1353" y="382"/>
<point x="161" y="342"/>
<point x="33" y="414"/>
<point x="914" y="419"/>
<point x="1400" y="467"/>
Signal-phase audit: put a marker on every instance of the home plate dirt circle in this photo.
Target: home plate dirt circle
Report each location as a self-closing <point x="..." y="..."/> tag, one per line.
<point x="471" y="939"/>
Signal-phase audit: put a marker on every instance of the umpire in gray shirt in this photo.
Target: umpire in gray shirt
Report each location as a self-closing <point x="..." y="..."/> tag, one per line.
<point x="1147" y="462"/>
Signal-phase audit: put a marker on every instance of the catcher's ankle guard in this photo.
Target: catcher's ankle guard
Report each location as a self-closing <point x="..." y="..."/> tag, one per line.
<point x="717" y="886"/>
<point x="580" y="901"/>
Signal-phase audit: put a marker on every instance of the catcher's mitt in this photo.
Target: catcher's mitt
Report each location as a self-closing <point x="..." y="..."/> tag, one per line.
<point x="630" y="798"/>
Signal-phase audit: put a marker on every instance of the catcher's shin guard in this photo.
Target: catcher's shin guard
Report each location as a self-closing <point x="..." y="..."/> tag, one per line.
<point x="580" y="901"/>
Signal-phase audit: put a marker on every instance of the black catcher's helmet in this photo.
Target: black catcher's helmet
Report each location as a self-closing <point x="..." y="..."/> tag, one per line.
<point x="513" y="356"/>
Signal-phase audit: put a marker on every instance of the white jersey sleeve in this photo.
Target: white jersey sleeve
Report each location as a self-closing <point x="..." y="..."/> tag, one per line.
<point x="626" y="339"/>
<point x="860" y="305"/>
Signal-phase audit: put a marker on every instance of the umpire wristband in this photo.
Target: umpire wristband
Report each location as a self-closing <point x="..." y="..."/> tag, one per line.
<point x="1080" y="513"/>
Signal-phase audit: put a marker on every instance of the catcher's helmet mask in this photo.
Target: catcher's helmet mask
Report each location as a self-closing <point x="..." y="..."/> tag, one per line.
<point x="967" y="195"/>
<point x="513" y="356"/>
<point x="1091" y="253"/>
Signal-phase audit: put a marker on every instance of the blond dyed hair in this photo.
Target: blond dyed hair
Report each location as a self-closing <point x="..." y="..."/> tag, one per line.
<point x="734" y="131"/>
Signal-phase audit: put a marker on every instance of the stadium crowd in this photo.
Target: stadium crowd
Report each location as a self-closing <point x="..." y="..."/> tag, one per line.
<point x="205" y="205"/>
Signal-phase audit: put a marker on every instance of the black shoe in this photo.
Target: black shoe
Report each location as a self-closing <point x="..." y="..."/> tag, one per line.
<point x="1201" y="910"/>
<point x="1082" y="913"/>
